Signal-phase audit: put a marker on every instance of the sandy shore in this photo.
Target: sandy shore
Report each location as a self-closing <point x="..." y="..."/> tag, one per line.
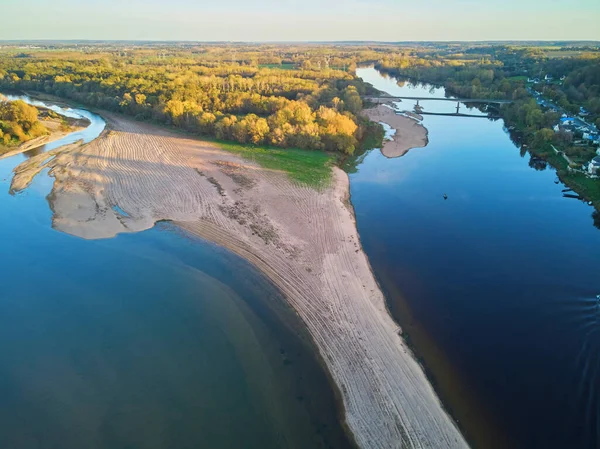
<point x="303" y="240"/>
<point x="409" y="132"/>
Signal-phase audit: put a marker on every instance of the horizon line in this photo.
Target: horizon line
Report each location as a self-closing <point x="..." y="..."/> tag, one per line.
<point x="590" y="41"/>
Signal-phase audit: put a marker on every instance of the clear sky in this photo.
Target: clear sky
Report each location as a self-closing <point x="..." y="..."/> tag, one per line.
<point x="285" y="20"/>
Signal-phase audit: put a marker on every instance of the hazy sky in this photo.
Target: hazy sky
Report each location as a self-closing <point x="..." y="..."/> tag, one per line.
<point x="277" y="20"/>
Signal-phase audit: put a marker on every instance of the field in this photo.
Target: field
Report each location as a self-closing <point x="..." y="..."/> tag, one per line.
<point x="284" y="66"/>
<point x="312" y="168"/>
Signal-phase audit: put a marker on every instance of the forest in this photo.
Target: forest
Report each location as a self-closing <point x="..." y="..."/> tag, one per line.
<point x="211" y="92"/>
<point x="18" y="122"/>
<point x="299" y="96"/>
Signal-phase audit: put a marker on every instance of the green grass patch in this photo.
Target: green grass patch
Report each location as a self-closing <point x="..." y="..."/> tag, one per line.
<point x="560" y="53"/>
<point x="284" y="66"/>
<point x="308" y="167"/>
<point x="517" y="78"/>
<point x="557" y="161"/>
<point x="588" y="188"/>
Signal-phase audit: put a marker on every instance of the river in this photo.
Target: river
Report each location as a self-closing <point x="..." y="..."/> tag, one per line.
<point x="495" y="286"/>
<point x="148" y="340"/>
<point x="161" y="340"/>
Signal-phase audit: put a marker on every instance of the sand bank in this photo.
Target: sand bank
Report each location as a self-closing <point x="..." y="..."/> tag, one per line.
<point x="409" y="132"/>
<point x="305" y="241"/>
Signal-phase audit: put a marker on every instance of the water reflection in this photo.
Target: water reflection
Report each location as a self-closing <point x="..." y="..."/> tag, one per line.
<point x="537" y="163"/>
<point x="596" y="218"/>
<point x="33" y="152"/>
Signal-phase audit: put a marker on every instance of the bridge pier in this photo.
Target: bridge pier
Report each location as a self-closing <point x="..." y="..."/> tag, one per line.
<point x="457" y="106"/>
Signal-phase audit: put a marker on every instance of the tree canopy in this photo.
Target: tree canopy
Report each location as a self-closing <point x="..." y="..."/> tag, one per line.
<point x="308" y="105"/>
<point x="18" y="122"/>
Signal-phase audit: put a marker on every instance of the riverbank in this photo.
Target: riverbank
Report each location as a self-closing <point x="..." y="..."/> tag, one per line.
<point x="304" y="240"/>
<point x="586" y="187"/>
<point x="409" y="133"/>
<point x="57" y="126"/>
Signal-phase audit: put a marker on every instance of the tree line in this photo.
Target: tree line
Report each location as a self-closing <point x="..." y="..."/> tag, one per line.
<point x="304" y="107"/>
<point x="292" y="95"/>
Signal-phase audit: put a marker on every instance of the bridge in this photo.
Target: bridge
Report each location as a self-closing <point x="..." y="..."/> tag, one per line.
<point x="456" y="100"/>
<point x="459" y="114"/>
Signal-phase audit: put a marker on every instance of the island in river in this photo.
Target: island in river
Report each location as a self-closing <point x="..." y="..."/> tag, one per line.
<point x="23" y="126"/>
<point x="408" y="133"/>
<point x="302" y="239"/>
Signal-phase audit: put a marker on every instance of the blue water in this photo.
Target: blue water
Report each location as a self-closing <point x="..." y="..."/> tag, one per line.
<point x="495" y="286"/>
<point x="149" y="340"/>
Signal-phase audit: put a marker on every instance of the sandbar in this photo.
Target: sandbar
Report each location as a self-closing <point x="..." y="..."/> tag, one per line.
<point x="304" y="240"/>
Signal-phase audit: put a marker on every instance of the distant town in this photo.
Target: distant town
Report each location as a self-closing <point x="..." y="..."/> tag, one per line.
<point x="575" y="128"/>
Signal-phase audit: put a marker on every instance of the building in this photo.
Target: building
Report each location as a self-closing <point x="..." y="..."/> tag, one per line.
<point x="594" y="166"/>
<point x="567" y="121"/>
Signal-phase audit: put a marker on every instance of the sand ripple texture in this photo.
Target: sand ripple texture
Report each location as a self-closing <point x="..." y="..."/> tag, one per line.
<point x="305" y="241"/>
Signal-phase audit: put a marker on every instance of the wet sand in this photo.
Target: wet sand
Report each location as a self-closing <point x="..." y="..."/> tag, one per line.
<point x="303" y="240"/>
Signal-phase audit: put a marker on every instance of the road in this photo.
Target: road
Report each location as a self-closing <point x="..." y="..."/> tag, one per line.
<point x="547" y="103"/>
